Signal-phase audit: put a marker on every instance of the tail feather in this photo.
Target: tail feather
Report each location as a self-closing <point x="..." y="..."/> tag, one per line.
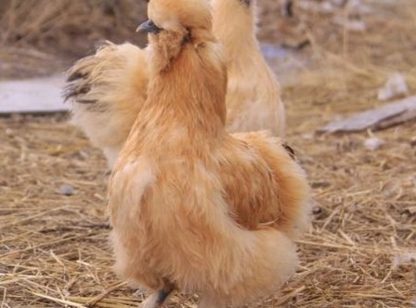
<point x="106" y="91"/>
<point x="84" y="77"/>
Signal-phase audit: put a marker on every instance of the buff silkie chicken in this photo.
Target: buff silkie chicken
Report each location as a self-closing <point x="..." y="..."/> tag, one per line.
<point x="253" y="95"/>
<point x="192" y="207"/>
<point x="109" y="88"/>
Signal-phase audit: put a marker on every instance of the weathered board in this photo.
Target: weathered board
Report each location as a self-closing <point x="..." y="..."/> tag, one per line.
<point x="378" y="118"/>
<point x="40" y="95"/>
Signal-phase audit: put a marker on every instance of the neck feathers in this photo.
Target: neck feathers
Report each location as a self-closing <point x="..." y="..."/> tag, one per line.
<point x="189" y="81"/>
<point x="235" y="24"/>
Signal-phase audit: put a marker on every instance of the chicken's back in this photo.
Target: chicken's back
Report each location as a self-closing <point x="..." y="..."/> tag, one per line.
<point x="253" y="93"/>
<point x="254" y="98"/>
<point x="277" y="193"/>
<point x="107" y="91"/>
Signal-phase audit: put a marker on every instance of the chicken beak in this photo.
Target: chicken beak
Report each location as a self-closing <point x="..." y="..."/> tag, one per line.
<point x="149" y="27"/>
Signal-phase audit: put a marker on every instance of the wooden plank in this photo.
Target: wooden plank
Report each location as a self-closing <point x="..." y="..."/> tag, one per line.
<point x="40" y="95"/>
<point x="379" y="118"/>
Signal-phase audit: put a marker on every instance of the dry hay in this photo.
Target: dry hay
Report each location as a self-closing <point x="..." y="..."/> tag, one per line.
<point x="69" y="26"/>
<point x="360" y="253"/>
<point x="28" y="63"/>
<point x="39" y="37"/>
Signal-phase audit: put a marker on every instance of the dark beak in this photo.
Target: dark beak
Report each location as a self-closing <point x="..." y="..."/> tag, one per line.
<point x="149" y="27"/>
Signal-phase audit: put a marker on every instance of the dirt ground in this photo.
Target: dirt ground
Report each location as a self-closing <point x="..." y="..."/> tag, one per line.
<point x="361" y="250"/>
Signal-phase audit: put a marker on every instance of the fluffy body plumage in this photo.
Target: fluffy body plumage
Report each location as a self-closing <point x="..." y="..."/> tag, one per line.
<point x="109" y="88"/>
<point x="191" y="205"/>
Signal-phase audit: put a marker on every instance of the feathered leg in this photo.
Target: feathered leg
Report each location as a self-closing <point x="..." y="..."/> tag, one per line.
<point x="157" y="299"/>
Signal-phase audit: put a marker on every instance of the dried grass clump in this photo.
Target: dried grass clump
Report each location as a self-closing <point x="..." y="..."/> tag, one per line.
<point x="69" y="26"/>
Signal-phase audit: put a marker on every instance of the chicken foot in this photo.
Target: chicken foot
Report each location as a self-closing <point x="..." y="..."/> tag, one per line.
<point x="158" y="298"/>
